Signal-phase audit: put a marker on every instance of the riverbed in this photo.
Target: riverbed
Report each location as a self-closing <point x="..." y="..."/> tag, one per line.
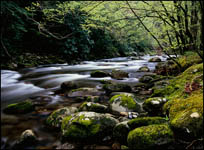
<point x="40" y="83"/>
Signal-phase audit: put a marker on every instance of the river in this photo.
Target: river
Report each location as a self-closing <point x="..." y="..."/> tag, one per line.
<point x="42" y="81"/>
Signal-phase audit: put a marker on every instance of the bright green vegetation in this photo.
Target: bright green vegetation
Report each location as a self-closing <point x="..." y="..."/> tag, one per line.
<point x="176" y="88"/>
<point x="20" y="108"/>
<point x="86" y="126"/>
<point x="149" y="136"/>
<point x="79" y="30"/>
<point x="145" y="121"/>
<point x="126" y="101"/>
<point x="186" y="115"/>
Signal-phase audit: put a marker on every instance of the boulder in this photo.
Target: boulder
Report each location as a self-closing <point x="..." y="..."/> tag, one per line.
<point x="120" y="132"/>
<point x="84" y="92"/>
<point x="124" y="103"/>
<point x="186" y="116"/>
<point x="94" y="107"/>
<point x="145" y="121"/>
<point x="55" y="119"/>
<point x="143" y="69"/>
<point x="151" y="136"/>
<point x="146" y="79"/>
<point x="154" y="105"/>
<point x="20" y="108"/>
<point x="119" y="74"/>
<point x="87" y="127"/>
<point x="155" y="59"/>
<point x="117" y="87"/>
<point x="99" y="74"/>
<point x="69" y="85"/>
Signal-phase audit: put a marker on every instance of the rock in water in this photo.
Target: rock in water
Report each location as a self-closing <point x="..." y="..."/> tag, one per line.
<point x="20" y="108"/>
<point x="155" y="59"/>
<point x="94" y="107"/>
<point x="143" y="69"/>
<point x="119" y="74"/>
<point x="87" y="126"/>
<point x="150" y="137"/>
<point x="154" y="105"/>
<point x="99" y="74"/>
<point x="55" y="119"/>
<point x="124" y="103"/>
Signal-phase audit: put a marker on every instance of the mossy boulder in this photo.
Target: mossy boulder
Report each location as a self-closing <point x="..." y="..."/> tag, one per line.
<point x="120" y="132"/>
<point x="99" y="74"/>
<point x="20" y="108"/>
<point x="116" y="87"/>
<point x="27" y="139"/>
<point x="151" y="136"/>
<point x="176" y="87"/>
<point x="186" y="115"/>
<point x="154" y="105"/>
<point x="87" y="127"/>
<point x="143" y="69"/>
<point x="145" y="121"/>
<point x="146" y="79"/>
<point x="124" y="103"/>
<point x="55" y="119"/>
<point x="94" y="107"/>
<point x="69" y="85"/>
<point x="119" y="74"/>
<point x="84" y="92"/>
<point x="155" y="59"/>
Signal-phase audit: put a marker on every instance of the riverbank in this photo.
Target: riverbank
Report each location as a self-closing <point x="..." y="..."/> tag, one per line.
<point x="109" y="109"/>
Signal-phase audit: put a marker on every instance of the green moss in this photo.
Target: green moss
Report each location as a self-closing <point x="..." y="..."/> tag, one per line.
<point x="177" y="85"/>
<point x="126" y="101"/>
<point x="180" y="111"/>
<point x="21" y="107"/>
<point x="144" y="121"/>
<point x="149" y="136"/>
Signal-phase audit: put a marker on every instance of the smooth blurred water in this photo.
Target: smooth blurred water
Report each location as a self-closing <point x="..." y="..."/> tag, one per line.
<point x="42" y="80"/>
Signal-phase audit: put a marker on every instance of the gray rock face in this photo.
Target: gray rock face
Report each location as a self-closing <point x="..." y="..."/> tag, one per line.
<point x="87" y="126"/>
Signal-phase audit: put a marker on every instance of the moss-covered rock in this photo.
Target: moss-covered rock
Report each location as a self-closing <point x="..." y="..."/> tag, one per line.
<point x="94" y="107"/>
<point x="87" y="126"/>
<point x="116" y="87"/>
<point x="143" y="69"/>
<point x="93" y="99"/>
<point x="154" y="105"/>
<point x="150" y="136"/>
<point x="55" y="119"/>
<point x="99" y="74"/>
<point x="120" y="132"/>
<point x="84" y="92"/>
<point x="119" y="74"/>
<point x="186" y="115"/>
<point x="20" y="108"/>
<point x="145" y="121"/>
<point x="124" y="103"/>
<point x="176" y="86"/>
<point x="155" y="59"/>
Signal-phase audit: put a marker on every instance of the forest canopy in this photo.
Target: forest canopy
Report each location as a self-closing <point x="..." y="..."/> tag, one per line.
<point x="83" y="29"/>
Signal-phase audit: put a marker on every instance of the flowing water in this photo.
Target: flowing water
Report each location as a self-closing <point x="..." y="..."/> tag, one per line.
<point x="41" y="82"/>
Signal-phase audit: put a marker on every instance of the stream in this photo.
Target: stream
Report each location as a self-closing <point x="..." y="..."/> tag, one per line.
<point x="41" y="82"/>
